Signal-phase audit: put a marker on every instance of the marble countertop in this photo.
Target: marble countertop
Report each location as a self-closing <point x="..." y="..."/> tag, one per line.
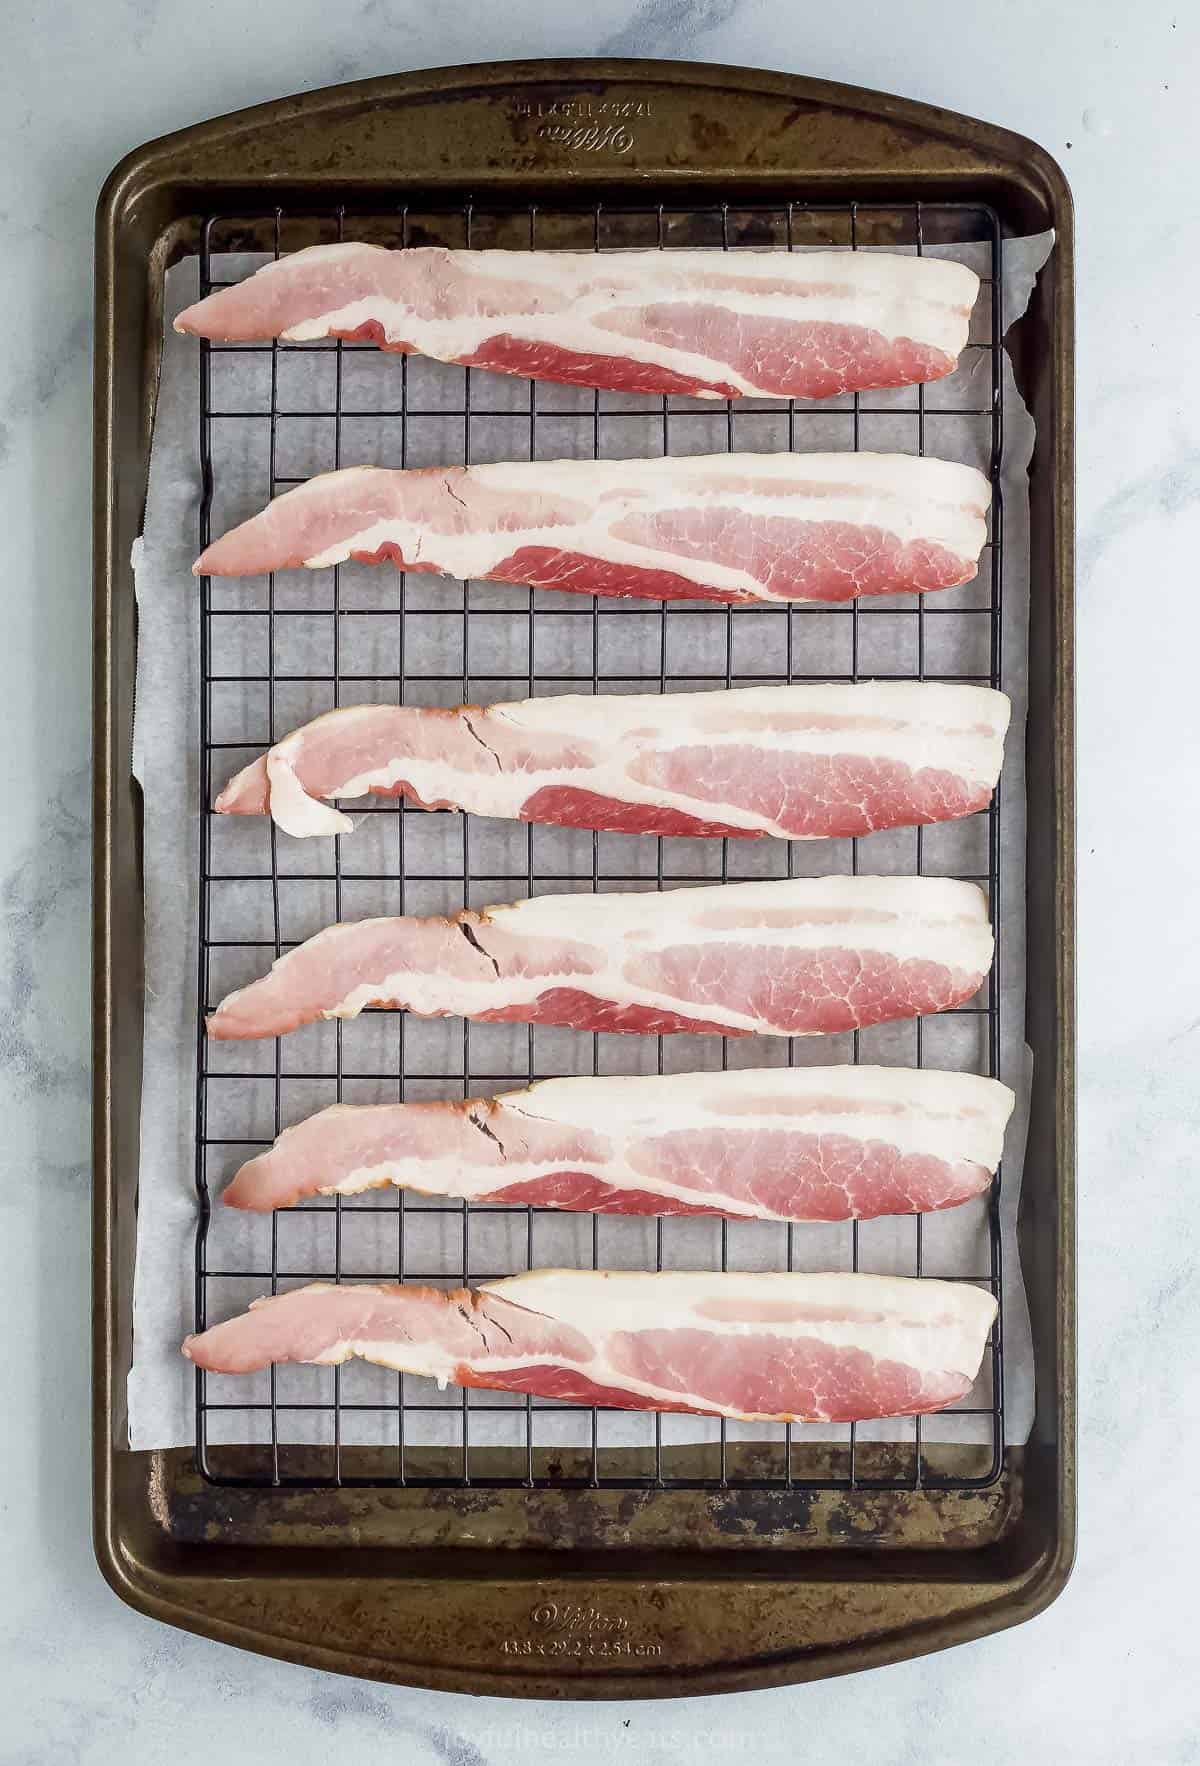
<point x="1103" y="1676"/>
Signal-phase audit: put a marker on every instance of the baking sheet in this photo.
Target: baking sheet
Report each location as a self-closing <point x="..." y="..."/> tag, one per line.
<point x="167" y="764"/>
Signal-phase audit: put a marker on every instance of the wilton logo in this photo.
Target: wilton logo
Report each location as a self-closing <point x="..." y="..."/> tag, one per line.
<point x="585" y="125"/>
<point x="590" y="139"/>
<point x="549" y="1616"/>
<point x="569" y="1634"/>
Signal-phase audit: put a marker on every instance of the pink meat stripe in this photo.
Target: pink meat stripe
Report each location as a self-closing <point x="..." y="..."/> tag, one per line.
<point x="722" y="527"/>
<point x="804" y="1143"/>
<point x="709" y="323"/>
<point x="788" y="1348"/>
<point x="797" y="762"/>
<point x="787" y="958"/>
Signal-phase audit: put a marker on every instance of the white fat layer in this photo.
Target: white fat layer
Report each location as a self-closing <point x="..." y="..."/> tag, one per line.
<point x="292" y="807"/>
<point x="929" y="1326"/>
<point x="635" y="1300"/>
<point x="926" y="301"/>
<point x="896" y="477"/>
<point x="938" y="919"/>
<point x="955" y="729"/>
<point x="949" y="1116"/>
<point x="940" y="280"/>
<point x="668" y="916"/>
<point x="937" y="706"/>
<point x="429" y="1358"/>
<point x="909" y="497"/>
<point x="917" y="916"/>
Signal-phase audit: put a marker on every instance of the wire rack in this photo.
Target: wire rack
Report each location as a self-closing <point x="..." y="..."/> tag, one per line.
<point x="433" y="642"/>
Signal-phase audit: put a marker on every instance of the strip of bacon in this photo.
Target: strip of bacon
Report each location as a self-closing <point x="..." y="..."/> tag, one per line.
<point x="780" y="1143"/>
<point x="786" y="1348"/>
<point x="788" y="958"/>
<point x="709" y="323"/>
<point x="797" y="762"/>
<point x="720" y="527"/>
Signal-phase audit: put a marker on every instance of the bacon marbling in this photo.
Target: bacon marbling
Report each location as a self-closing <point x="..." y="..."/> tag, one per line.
<point x="778" y="1143"/>
<point x="797" y="762"/>
<point x="787" y="958"/>
<point x="787" y="1348"/>
<point x="805" y="324"/>
<point x="722" y="527"/>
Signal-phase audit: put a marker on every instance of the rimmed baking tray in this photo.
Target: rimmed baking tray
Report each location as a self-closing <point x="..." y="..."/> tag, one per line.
<point x="691" y="1588"/>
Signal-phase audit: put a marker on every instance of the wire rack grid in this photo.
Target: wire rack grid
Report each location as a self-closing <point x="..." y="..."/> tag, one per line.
<point x="310" y="1434"/>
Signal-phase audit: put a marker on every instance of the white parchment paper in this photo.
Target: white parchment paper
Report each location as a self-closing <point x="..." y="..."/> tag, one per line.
<point x="167" y="763"/>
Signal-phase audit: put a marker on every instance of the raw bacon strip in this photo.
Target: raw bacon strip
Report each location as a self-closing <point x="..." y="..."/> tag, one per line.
<point x="787" y="1348"/>
<point x="720" y="527"/>
<point x="802" y="1143"/>
<point x="789" y="958"/>
<point x="715" y="324"/>
<point x="797" y="762"/>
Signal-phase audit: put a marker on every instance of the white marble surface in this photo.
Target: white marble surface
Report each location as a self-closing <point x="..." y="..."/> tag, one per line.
<point x="1104" y="1675"/>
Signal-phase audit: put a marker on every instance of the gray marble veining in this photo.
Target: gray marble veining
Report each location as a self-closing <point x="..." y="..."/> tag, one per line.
<point x="1107" y="1674"/>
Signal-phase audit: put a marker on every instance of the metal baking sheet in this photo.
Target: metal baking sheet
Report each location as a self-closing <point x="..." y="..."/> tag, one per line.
<point x="166" y="1538"/>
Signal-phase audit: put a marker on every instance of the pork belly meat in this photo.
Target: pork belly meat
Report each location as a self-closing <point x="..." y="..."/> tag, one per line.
<point x="780" y="1143"/>
<point x="720" y="527"/>
<point x="788" y="1348"/>
<point x="787" y="958"/>
<point x="797" y="762"/>
<point x="707" y="323"/>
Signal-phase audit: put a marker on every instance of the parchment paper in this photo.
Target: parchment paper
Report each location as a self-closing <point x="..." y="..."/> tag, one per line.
<point x="167" y="764"/>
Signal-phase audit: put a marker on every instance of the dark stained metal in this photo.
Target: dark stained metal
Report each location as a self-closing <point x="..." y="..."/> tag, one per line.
<point x="730" y="1575"/>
